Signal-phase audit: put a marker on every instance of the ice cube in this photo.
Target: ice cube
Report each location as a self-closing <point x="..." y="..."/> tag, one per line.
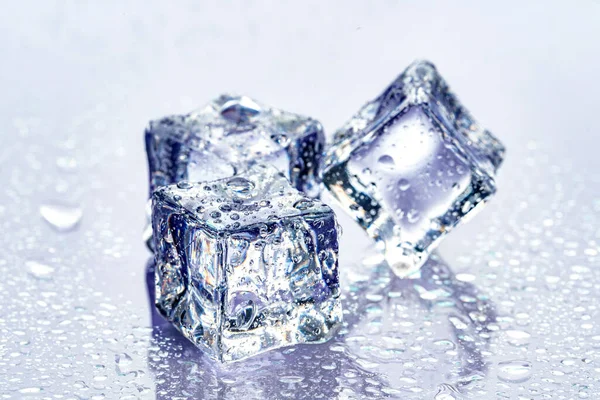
<point x="411" y="165"/>
<point x="246" y="264"/>
<point x="226" y="137"/>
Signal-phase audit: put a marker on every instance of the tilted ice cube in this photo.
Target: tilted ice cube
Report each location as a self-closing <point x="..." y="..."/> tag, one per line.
<point x="411" y="165"/>
<point x="246" y="263"/>
<point x="227" y="136"/>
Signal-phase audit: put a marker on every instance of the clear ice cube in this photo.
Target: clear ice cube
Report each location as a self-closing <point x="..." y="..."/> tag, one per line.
<point x="246" y="264"/>
<point x="227" y="136"/>
<point x="411" y="165"/>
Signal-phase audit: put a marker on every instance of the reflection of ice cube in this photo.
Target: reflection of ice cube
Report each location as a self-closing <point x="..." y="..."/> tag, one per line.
<point x="246" y="264"/>
<point x="411" y="165"/>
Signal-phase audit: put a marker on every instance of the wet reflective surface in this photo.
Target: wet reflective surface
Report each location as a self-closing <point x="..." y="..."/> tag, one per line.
<point x="507" y="310"/>
<point x="246" y="264"/>
<point x="380" y="333"/>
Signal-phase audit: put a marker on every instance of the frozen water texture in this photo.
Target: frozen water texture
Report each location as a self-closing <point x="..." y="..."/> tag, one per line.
<point x="246" y="264"/>
<point x="411" y="165"/>
<point x="227" y="136"/>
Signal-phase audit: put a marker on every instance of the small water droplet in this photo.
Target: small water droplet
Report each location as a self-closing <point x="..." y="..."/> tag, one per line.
<point x="30" y="390"/>
<point x="291" y="379"/>
<point x="225" y="208"/>
<point x="515" y="371"/>
<point x="518" y="338"/>
<point x="387" y="162"/>
<point x="63" y="218"/>
<point x="303" y="204"/>
<point x="413" y="216"/>
<point x="569" y="362"/>
<point x="403" y="184"/>
<point x="464" y="277"/>
<point x="39" y="270"/>
<point x="184" y="185"/>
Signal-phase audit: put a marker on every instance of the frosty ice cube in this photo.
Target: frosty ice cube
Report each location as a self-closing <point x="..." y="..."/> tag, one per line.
<point x="227" y="136"/>
<point x="411" y="165"/>
<point x="246" y="264"/>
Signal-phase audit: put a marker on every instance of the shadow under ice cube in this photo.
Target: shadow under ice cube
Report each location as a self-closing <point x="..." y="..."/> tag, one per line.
<point x="411" y="165"/>
<point x="246" y="264"/>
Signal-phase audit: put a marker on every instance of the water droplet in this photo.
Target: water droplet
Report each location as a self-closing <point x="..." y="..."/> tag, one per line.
<point x="413" y="216"/>
<point x="184" y="185"/>
<point x="291" y="379"/>
<point x="30" y="390"/>
<point x="240" y="109"/>
<point x="39" y="270"/>
<point x="240" y="185"/>
<point x="63" y="218"/>
<point x="225" y="208"/>
<point x="569" y="362"/>
<point x="403" y="184"/>
<point x="303" y="204"/>
<point x="464" y="277"/>
<point x="387" y="162"/>
<point x="444" y="345"/>
<point x="515" y="371"/>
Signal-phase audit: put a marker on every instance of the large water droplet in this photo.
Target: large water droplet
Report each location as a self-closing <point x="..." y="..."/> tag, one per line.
<point x="184" y="185"/>
<point x="240" y="185"/>
<point x="239" y="110"/>
<point x="63" y="218"/>
<point x="515" y="371"/>
<point x="387" y="162"/>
